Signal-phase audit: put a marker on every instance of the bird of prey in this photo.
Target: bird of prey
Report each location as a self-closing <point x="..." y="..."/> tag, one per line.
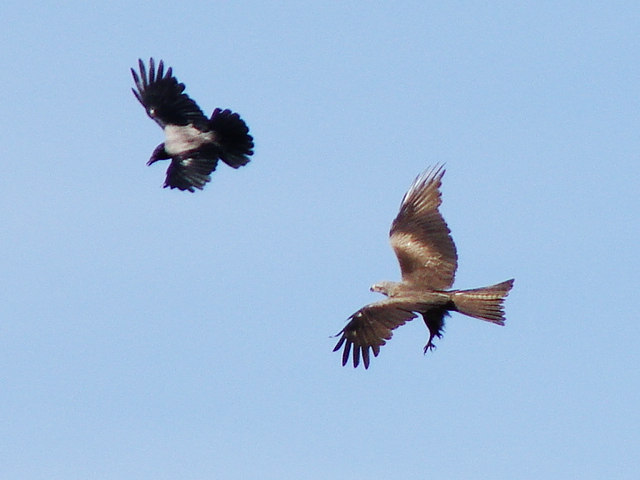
<point x="193" y="142"/>
<point x="428" y="260"/>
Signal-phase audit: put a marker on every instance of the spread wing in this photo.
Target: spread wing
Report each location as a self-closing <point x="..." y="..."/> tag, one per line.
<point x="420" y="236"/>
<point x="191" y="171"/>
<point x="371" y="326"/>
<point x="163" y="98"/>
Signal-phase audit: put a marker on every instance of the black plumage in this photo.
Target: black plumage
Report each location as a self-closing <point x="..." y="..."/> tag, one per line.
<point x="193" y="143"/>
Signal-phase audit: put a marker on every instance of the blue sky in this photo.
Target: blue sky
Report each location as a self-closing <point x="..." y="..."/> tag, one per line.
<point x="156" y="334"/>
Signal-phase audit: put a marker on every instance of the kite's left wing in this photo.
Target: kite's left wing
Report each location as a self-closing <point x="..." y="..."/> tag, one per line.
<point x="371" y="326"/>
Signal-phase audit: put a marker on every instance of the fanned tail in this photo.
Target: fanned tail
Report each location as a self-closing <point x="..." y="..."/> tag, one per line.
<point x="484" y="303"/>
<point x="232" y="136"/>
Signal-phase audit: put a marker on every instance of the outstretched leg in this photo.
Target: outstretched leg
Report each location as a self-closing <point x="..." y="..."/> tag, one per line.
<point x="430" y="345"/>
<point x="434" y="319"/>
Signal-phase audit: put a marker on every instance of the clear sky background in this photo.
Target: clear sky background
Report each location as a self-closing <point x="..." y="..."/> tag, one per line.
<point x="156" y="334"/>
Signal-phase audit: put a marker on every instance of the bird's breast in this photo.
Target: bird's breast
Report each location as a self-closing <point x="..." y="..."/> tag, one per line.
<point x="181" y="139"/>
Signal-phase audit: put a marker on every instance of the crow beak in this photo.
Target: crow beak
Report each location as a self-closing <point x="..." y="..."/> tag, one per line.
<point x="158" y="154"/>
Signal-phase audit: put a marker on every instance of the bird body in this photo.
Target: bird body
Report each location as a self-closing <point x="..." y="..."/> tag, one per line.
<point x="193" y="142"/>
<point x="428" y="261"/>
<point x="181" y="140"/>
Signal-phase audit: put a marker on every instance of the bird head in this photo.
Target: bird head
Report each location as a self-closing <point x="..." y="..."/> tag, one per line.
<point x="385" y="288"/>
<point x="158" y="154"/>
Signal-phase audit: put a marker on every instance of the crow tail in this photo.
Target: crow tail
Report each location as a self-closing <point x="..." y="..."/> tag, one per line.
<point x="232" y="136"/>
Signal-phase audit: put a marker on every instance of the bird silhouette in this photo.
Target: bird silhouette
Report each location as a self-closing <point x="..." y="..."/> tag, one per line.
<point x="193" y="142"/>
<point x="428" y="261"/>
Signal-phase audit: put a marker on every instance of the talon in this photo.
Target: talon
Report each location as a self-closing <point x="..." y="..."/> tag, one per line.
<point x="429" y="346"/>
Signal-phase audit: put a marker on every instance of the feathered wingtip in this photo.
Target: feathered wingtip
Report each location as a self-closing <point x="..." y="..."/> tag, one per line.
<point x="431" y="177"/>
<point x="358" y="350"/>
<point x="143" y="80"/>
<point x="359" y="344"/>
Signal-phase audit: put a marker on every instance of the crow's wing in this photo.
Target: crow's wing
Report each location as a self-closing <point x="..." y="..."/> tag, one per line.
<point x="162" y="97"/>
<point x="420" y="236"/>
<point x="191" y="171"/>
<point x="371" y="326"/>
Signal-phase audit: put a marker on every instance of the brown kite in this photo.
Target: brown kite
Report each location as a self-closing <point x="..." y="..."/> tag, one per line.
<point x="428" y="261"/>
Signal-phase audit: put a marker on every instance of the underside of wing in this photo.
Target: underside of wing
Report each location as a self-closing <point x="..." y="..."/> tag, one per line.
<point x="188" y="172"/>
<point x="163" y="98"/>
<point x="370" y="327"/>
<point x="420" y="236"/>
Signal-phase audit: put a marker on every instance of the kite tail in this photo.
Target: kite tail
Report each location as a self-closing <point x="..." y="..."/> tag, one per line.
<point x="233" y="137"/>
<point x="483" y="303"/>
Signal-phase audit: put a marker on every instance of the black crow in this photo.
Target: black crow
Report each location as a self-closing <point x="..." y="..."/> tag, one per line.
<point x="428" y="262"/>
<point x="193" y="142"/>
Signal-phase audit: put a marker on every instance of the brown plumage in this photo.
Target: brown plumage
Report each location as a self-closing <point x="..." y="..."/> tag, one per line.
<point x="428" y="261"/>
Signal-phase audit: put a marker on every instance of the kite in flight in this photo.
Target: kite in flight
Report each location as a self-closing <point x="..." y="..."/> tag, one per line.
<point x="193" y="142"/>
<point x="428" y="260"/>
